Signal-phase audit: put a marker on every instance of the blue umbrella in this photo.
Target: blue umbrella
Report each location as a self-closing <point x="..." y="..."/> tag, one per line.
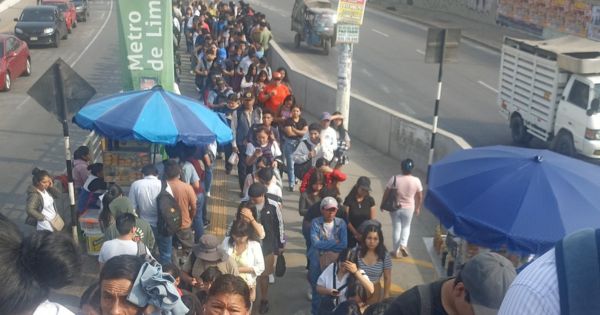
<point x="155" y="116"/>
<point x="524" y="199"/>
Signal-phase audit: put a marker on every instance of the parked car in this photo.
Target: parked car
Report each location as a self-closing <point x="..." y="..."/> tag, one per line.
<point x="67" y="9"/>
<point x="14" y="60"/>
<point x="81" y="7"/>
<point x="41" y="25"/>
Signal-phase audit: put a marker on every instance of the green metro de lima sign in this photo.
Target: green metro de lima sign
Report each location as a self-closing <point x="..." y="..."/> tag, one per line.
<point x="146" y="43"/>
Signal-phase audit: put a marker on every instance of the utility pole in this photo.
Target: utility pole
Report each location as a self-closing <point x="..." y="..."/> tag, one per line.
<point x="350" y="15"/>
<point x="344" y="81"/>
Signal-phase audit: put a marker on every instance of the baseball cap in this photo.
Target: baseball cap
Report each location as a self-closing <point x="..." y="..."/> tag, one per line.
<point x="329" y="203"/>
<point x="248" y="95"/>
<point x="325" y="116"/>
<point x="276" y="75"/>
<point x="487" y="277"/>
<point x="207" y="248"/>
<point x="364" y="182"/>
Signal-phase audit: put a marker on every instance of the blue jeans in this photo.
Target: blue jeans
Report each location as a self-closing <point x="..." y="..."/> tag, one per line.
<point x="314" y="271"/>
<point x="198" y="223"/>
<point x="288" y="149"/>
<point x="165" y="246"/>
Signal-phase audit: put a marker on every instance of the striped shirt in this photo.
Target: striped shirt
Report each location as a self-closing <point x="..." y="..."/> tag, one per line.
<point x="535" y="290"/>
<point x="375" y="271"/>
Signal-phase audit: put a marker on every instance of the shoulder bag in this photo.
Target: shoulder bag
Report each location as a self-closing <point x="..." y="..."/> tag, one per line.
<point x="389" y="204"/>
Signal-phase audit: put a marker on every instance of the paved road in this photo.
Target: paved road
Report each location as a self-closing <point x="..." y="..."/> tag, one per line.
<point x="388" y="68"/>
<point x="29" y="135"/>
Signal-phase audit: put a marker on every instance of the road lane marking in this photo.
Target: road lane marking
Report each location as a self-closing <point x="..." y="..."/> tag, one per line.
<point x="367" y="73"/>
<point x="489" y="87"/>
<point x="82" y="52"/>
<point x="380" y="32"/>
<point x="420" y="52"/>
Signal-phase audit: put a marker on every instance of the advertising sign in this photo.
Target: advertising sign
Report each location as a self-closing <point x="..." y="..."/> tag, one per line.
<point x="146" y="42"/>
<point x="351" y="11"/>
<point x="347" y="33"/>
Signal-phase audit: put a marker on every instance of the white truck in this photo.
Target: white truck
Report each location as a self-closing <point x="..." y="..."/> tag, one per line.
<point x="550" y="90"/>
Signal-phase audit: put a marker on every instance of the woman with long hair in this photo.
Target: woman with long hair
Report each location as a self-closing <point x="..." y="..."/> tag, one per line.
<point x="294" y="129"/>
<point x="41" y="212"/>
<point x="106" y="218"/>
<point x="244" y="248"/>
<point x="360" y="207"/>
<point x="343" y="140"/>
<point x="285" y="110"/>
<point x="374" y="259"/>
<point x="285" y="80"/>
<point x="249" y="77"/>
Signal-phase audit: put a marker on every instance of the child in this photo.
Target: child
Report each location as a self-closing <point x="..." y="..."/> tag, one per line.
<point x="176" y="274"/>
<point x="205" y="282"/>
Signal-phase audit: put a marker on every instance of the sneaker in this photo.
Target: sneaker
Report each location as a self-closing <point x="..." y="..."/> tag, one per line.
<point x="291" y="188"/>
<point x="208" y="194"/>
<point x="271" y="279"/>
<point x="264" y="307"/>
<point x="404" y="252"/>
<point x="206" y="224"/>
<point x="309" y="294"/>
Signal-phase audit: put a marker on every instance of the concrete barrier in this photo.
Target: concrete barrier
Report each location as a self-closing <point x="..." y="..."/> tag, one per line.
<point x="386" y="130"/>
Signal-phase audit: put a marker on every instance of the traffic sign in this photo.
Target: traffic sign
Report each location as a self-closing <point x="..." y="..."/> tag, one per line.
<point x="351" y="11"/>
<point x="442" y="43"/>
<point x="347" y="33"/>
<point x="77" y="91"/>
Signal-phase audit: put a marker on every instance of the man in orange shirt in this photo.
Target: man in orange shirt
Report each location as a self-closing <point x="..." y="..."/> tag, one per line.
<point x="186" y="199"/>
<point x="274" y="93"/>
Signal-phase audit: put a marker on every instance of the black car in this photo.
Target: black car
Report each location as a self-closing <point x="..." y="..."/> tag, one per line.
<point x="41" y="25"/>
<point x="81" y="6"/>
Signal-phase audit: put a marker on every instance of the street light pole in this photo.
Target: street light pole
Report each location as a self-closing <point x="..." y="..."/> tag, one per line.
<point x="344" y="80"/>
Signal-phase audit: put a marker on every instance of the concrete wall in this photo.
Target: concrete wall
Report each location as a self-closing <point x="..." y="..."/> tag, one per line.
<point x="480" y="10"/>
<point x="386" y="130"/>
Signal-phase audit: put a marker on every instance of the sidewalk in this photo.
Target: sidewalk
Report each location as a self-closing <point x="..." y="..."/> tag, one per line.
<point x="488" y="35"/>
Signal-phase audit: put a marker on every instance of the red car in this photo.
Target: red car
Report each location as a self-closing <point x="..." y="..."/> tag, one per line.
<point x="68" y="10"/>
<point x="14" y="60"/>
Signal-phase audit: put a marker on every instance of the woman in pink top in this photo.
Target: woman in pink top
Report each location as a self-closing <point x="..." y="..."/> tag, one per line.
<point x="409" y="195"/>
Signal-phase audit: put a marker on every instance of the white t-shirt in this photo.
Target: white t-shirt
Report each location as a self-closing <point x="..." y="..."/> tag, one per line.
<point x="275" y="150"/>
<point x="328" y="142"/>
<point x="118" y="247"/>
<point x="51" y="308"/>
<point x="326" y="280"/>
<point x="406" y="188"/>
<point x="328" y="227"/>
<point x="48" y="212"/>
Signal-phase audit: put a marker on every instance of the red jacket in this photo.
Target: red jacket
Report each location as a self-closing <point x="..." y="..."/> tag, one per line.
<point x="331" y="178"/>
<point x="273" y="103"/>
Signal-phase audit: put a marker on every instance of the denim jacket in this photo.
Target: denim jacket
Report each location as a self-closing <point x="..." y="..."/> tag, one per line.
<point x="320" y="243"/>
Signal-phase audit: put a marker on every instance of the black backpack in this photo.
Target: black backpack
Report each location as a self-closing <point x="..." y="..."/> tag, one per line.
<point x="169" y="213"/>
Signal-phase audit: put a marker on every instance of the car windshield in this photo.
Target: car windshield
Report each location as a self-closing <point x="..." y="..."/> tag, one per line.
<point x="37" y="16"/>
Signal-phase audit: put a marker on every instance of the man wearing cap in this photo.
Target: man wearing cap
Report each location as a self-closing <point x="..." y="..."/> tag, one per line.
<point x="478" y="289"/>
<point x="328" y="237"/>
<point x="242" y="120"/>
<point x="329" y="141"/>
<point x="206" y="254"/>
<point x="219" y="96"/>
<point x="274" y="93"/>
<point x="269" y="215"/>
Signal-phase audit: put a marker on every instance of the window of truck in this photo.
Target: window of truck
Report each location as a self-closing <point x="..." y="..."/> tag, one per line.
<point x="580" y="94"/>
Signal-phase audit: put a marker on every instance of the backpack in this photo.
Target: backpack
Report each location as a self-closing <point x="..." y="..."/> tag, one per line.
<point x="301" y="169"/>
<point x="578" y="272"/>
<point x="169" y="213"/>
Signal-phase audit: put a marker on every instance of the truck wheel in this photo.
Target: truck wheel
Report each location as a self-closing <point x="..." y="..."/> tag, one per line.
<point x="563" y="144"/>
<point x="519" y="131"/>
<point x="326" y="46"/>
<point x="297" y="40"/>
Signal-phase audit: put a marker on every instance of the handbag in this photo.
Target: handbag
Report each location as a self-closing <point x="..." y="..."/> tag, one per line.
<point x="389" y="204"/>
<point x="57" y="223"/>
<point x="280" y="266"/>
<point x="233" y="159"/>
